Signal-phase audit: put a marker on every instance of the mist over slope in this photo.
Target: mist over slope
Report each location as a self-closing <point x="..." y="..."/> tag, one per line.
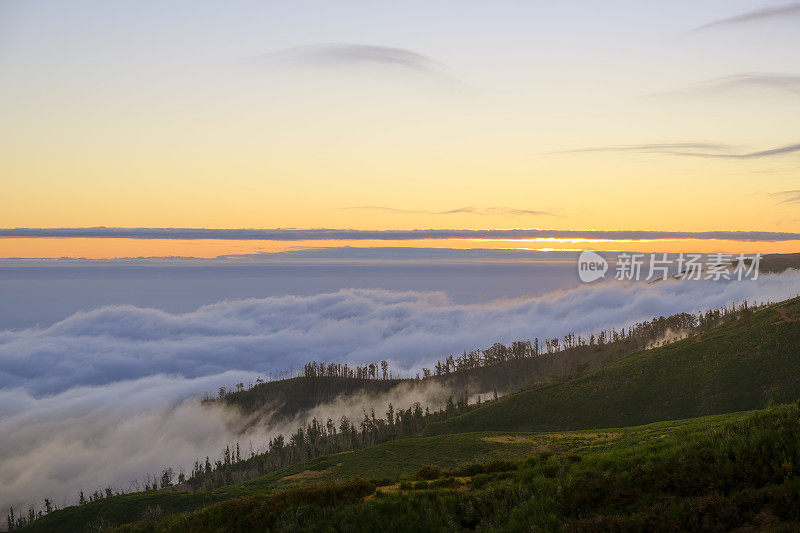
<point x="106" y="396"/>
<point x="748" y="362"/>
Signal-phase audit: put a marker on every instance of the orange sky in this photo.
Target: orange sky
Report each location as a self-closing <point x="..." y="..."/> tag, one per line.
<point x="110" y="248"/>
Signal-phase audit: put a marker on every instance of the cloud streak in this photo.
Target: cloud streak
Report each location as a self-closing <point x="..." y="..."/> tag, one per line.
<point x="338" y="55"/>
<point x="772" y="80"/>
<point x="701" y="150"/>
<point x="290" y="234"/>
<point x="789" y="83"/>
<point x="767" y="13"/>
<point x="485" y="211"/>
<point x="788" y="197"/>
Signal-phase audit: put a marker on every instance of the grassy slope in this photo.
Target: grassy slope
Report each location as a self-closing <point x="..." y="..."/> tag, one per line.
<point x="743" y="473"/>
<point x="397" y="460"/>
<point x="401" y="458"/>
<point x="743" y="364"/>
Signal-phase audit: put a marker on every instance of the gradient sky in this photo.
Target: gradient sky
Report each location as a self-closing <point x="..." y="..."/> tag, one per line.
<point x="620" y="115"/>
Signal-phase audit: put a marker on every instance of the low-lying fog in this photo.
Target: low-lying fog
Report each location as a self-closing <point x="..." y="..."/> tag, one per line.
<point x="106" y="396"/>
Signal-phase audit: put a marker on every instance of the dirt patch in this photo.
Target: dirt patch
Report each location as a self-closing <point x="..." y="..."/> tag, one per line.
<point x="589" y="435"/>
<point x="784" y="315"/>
<point x="305" y="475"/>
<point x="507" y="439"/>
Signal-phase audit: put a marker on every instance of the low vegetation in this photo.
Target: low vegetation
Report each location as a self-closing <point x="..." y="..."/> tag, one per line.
<point x="744" y="473"/>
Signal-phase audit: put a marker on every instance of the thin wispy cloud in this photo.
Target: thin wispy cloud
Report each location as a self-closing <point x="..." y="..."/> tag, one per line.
<point x="771" y="80"/>
<point x="460" y="210"/>
<point x="335" y="55"/>
<point x="321" y="234"/>
<point x="777" y="81"/>
<point x="702" y="150"/>
<point x="788" y="197"/>
<point x="766" y="13"/>
<point x="651" y="148"/>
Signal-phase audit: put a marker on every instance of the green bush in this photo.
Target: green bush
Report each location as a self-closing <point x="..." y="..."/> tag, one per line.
<point x="428" y="472"/>
<point x="445" y="482"/>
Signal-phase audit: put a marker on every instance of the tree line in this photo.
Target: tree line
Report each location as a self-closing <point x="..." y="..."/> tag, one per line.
<point x="318" y="438"/>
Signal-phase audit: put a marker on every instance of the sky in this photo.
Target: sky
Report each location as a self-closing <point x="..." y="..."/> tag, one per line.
<point x="245" y="185"/>
<point x="576" y="115"/>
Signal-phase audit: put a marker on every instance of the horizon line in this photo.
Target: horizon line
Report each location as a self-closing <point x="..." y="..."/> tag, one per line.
<point x="312" y="234"/>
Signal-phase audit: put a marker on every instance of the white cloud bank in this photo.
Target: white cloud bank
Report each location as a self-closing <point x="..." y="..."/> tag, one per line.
<point x="101" y="397"/>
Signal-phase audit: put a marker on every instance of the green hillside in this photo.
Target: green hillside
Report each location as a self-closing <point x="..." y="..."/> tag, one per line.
<point x="391" y="463"/>
<point x="741" y="474"/>
<point x="286" y="398"/>
<point x="746" y="363"/>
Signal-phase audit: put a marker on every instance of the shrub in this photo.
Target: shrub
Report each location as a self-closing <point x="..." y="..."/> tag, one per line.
<point x="445" y="482"/>
<point x="428" y="472"/>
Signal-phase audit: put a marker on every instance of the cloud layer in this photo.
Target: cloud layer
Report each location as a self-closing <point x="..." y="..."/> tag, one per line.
<point x="281" y="234"/>
<point x="105" y="396"/>
<point x="122" y="343"/>
<point x="87" y="439"/>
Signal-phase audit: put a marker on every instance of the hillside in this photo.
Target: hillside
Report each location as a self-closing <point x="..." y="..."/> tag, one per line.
<point x="498" y="368"/>
<point x="286" y="398"/>
<point x="779" y="262"/>
<point x="745" y="363"/>
<point x="738" y="474"/>
<point x="391" y="463"/>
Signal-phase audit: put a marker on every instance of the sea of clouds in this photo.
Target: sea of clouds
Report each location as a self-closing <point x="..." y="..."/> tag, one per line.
<point x="105" y="396"/>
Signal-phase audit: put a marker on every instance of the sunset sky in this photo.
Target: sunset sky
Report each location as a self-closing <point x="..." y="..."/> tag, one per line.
<point x="578" y="115"/>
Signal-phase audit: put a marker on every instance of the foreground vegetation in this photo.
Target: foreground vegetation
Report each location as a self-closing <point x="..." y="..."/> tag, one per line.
<point x="393" y="466"/>
<point x="743" y="473"/>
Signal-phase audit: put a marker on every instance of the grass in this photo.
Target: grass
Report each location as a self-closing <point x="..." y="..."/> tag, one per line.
<point x="397" y="461"/>
<point x="743" y="364"/>
<point x="741" y="472"/>
<point x="401" y="458"/>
